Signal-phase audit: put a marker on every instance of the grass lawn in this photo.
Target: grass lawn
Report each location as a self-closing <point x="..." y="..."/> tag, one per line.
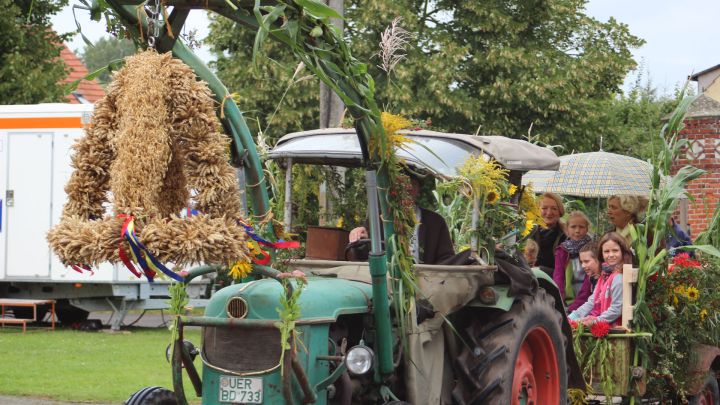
<point x="70" y="365"/>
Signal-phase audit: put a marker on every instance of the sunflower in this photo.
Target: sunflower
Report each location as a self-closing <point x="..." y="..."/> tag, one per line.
<point x="240" y="270"/>
<point x="680" y="290"/>
<point x="529" y="224"/>
<point x="703" y="314"/>
<point x="492" y="197"/>
<point x="692" y="293"/>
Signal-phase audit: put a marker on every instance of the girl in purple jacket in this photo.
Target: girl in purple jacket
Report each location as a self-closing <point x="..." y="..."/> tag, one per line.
<point x="568" y="274"/>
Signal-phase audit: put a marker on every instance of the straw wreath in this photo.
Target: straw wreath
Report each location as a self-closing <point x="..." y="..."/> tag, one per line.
<point x="153" y="143"/>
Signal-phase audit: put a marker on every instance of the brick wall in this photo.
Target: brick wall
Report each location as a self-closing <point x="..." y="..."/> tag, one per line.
<point x="703" y="152"/>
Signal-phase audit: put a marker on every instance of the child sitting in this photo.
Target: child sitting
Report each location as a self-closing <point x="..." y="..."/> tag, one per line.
<point x="531" y="252"/>
<point x="568" y="274"/>
<point x="591" y="266"/>
<point x="605" y="304"/>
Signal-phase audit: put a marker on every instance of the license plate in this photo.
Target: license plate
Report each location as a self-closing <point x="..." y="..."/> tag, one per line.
<point x="241" y="390"/>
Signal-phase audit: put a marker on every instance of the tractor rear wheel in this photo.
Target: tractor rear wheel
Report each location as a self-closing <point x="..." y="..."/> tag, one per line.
<point x="709" y="394"/>
<point x="516" y="357"/>
<point x="152" y="396"/>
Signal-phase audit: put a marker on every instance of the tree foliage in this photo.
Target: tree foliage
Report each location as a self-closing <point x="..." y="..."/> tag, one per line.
<point x="30" y="68"/>
<point x="274" y="94"/>
<point x="104" y="51"/>
<point x="489" y="67"/>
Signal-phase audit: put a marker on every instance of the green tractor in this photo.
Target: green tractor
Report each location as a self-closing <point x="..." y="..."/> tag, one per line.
<point x="473" y="335"/>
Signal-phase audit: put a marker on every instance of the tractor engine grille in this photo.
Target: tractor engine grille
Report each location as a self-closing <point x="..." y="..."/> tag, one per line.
<point x="241" y="350"/>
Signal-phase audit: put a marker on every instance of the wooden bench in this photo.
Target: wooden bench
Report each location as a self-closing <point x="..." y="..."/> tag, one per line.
<point x="14" y="302"/>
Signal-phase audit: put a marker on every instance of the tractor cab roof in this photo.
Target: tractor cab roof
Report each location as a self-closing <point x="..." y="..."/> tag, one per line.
<point x="436" y="152"/>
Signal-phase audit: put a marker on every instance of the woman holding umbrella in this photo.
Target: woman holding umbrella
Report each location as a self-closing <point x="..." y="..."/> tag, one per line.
<point x="551" y="210"/>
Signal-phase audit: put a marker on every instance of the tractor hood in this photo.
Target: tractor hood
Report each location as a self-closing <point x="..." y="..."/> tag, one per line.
<point x="322" y="299"/>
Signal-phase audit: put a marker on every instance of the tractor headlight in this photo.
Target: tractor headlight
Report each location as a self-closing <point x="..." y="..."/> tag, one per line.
<point x="359" y="359"/>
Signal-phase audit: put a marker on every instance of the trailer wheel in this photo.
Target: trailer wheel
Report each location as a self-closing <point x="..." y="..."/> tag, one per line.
<point x="68" y="314"/>
<point x="152" y="396"/>
<point x="516" y="357"/>
<point x="709" y="394"/>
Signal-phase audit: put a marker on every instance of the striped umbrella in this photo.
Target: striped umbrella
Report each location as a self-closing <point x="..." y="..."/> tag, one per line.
<point x="594" y="174"/>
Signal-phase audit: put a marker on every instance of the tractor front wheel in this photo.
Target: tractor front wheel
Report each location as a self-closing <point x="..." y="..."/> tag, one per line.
<point x="152" y="396"/>
<point x="709" y="394"/>
<point x="516" y="357"/>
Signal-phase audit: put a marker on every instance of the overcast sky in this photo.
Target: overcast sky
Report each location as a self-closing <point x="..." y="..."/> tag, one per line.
<point x="681" y="36"/>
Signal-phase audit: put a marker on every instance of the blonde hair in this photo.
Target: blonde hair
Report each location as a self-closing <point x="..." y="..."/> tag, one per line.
<point x="633" y="204"/>
<point x="558" y="200"/>
<point x="581" y="215"/>
<point x="531" y="251"/>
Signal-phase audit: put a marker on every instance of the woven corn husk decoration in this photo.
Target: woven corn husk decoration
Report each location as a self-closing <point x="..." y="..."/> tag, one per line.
<point x="153" y="143"/>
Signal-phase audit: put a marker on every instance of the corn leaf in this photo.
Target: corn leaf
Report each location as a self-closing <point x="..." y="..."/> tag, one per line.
<point x="318" y="10"/>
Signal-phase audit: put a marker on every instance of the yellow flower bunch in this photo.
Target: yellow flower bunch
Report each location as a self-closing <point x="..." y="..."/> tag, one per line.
<point x="691" y="293"/>
<point x="529" y="206"/>
<point x="391" y="124"/>
<point x="484" y="177"/>
<point x="703" y="314"/>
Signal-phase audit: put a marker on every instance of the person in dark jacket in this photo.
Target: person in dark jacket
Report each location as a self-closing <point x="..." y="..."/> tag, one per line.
<point x="430" y="242"/>
<point x="550" y="237"/>
<point x="676" y="238"/>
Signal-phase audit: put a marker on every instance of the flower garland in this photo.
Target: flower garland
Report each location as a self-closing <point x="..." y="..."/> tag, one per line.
<point x="594" y="351"/>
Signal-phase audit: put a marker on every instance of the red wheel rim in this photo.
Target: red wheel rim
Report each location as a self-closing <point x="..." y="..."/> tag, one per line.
<point x="536" y="379"/>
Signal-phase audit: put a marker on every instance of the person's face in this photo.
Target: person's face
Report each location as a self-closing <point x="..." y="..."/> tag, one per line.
<point x="549" y="211"/>
<point x="612" y="253"/>
<point x="589" y="264"/>
<point x="577" y="228"/>
<point x="618" y="216"/>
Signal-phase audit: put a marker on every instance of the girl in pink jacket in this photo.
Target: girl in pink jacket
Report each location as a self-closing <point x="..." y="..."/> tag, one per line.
<point x="605" y="304"/>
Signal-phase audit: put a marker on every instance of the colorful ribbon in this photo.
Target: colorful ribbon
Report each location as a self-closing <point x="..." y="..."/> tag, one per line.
<point x="82" y="267"/>
<point x="144" y="258"/>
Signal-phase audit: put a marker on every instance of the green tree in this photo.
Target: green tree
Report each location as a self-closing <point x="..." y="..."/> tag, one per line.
<point x="488" y="67"/>
<point x="104" y="51"/>
<point x="30" y="68"/>
<point x="634" y="117"/>
<point x="276" y="96"/>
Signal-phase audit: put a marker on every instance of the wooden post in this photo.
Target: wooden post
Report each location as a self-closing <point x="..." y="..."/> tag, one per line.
<point x="630" y="276"/>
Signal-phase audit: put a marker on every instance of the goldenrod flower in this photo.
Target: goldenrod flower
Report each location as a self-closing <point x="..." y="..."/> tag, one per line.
<point x="680" y="290"/>
<point x="393" y="123"/>
<point x="692" y="293"/>
<point x="339" y="223"/>
<point x="512" y="189"/>
<point x="240" y="270"/>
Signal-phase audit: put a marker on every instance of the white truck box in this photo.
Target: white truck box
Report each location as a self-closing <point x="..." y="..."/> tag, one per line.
<point x="35" y="149"/>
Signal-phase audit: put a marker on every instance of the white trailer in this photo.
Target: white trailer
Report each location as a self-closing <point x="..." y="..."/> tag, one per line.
<point x="35" y="151"/>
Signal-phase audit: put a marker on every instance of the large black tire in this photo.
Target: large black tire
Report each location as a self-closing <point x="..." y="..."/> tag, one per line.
<point x="525" y="343"/>
<point x="68" y="314"/>
<point x="152" y="396"/>
<point x="709" y="394"/>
